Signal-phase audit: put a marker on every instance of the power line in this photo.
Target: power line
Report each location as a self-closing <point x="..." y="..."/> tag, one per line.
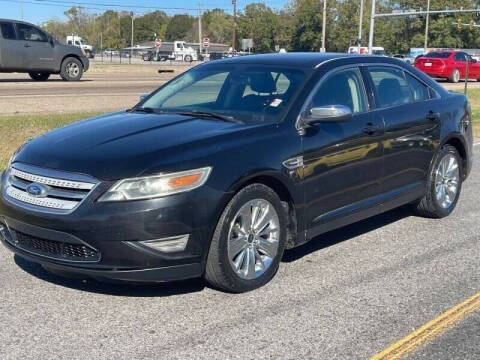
<point x="88" y="6"/>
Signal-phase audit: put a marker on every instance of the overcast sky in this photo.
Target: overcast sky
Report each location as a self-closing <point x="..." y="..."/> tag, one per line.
<point x="39" y="11"/>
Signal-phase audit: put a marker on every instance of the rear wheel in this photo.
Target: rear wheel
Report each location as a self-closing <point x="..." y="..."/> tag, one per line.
<point x="72" y="69"/>
<point x="39" y="76"/>
<point x="455" y="76"/>
<point x="249" y="240"/>
<point x="443" y="186"/>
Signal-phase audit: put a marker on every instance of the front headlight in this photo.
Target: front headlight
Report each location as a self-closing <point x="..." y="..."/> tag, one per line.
<point x="157" y="186"/>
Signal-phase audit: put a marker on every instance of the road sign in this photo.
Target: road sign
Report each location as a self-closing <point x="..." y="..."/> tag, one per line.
<point x="158" y="43"/>
<point x="206" y="42"/>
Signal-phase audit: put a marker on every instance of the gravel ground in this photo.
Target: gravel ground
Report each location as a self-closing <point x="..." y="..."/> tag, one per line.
<point x="345" y="295"/>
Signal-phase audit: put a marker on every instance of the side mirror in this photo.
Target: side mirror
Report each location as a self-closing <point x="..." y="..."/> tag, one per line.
<point x="51" y="41"/>
<point x="144" y="96"/>
<point x="331" y="113"/>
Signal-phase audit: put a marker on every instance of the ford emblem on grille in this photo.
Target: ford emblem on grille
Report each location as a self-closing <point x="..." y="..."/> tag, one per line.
<point x="36" y="190"/>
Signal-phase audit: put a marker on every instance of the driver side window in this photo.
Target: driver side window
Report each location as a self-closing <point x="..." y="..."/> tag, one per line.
<point x="342" y="88"/>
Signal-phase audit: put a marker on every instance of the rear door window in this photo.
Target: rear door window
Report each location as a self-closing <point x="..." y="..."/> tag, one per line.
<point x="391" y="86"/>
<point x="7" y="30"/>
<point x="460" y="57"/>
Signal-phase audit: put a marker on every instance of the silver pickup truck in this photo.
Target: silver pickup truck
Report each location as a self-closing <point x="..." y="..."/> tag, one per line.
<point x="27" y="49"/>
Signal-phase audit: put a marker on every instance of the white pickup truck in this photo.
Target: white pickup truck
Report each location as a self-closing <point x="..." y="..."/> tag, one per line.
<point x="80" y="42"/>
<point x="178" y="50"/>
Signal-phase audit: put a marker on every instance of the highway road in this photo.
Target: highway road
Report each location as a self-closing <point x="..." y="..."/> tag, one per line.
<point x="348" y="294"/>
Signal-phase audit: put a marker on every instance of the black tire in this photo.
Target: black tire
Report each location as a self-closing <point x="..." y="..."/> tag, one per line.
<point x="219" y="273"/>
<point x="71" y="69"/>
<point x="428" y="206"/>
<point x="147" y="57"/>
<point x="454" y="76"/>
<point x="188" y="58"/>
<point x="39" y="76"/>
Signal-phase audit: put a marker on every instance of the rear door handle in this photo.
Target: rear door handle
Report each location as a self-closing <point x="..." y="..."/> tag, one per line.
<point x="433" y="116"/>
<point x="370" y="129"/>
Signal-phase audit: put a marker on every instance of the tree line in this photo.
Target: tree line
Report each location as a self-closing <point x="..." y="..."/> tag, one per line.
<point x="295" y="27"/>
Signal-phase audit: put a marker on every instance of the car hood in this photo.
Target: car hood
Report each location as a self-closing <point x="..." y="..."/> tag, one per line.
<point x="128" y="144"/>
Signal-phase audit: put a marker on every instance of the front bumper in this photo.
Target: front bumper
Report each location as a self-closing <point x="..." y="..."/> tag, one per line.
<point x="86" y="63"/>
<point x="116" y="232"/>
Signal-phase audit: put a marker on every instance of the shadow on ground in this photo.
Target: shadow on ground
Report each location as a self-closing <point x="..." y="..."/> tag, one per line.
<point x="194" y="285"/>
<point x="342" y="234"/>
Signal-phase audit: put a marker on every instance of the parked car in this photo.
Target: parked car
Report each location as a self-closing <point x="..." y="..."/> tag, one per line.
<point x="405" y="57"/>
<point x="450" y="65"/>
<point x="25" y="48"/>
<point x="219" y="170"/>
<point x="110" y="52"/>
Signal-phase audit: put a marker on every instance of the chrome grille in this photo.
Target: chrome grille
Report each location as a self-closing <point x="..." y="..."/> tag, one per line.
<point x="61" y="191"/>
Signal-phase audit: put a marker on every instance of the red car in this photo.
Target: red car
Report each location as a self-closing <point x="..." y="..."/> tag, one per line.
<point x="450" y="65"/>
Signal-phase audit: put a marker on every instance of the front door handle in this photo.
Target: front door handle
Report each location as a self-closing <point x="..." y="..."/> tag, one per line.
<point x="370" y="129"/>
<point x="433" y="116"/>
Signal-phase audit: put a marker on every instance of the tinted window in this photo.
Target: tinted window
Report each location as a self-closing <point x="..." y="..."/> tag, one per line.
<point x="245" y="91"/>
<point x="343" y="88"/>
<point x="8" y="32"/>
<point x="460" y="57"/>
<point x="419" y="90"/>
<point x="391" y="86"/>
<point x="206" y="90"/>
<point x="439" y="55"/>
<point x="29" y="33"/>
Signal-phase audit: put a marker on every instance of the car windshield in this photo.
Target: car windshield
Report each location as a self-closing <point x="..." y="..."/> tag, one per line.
<point x="440" y="55"/>
<point x="241" y="91"/>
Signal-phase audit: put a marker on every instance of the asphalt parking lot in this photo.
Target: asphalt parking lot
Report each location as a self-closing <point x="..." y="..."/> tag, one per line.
<point x="348" y="294"/>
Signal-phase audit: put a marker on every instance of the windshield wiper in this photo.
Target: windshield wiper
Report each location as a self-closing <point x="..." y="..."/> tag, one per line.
<point x="208" y="115"/>
<point x="148" y="110"/>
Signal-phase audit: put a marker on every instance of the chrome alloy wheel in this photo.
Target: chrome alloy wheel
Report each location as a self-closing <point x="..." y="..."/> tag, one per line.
<point x="72" y="69"/>
<point x="446" y="181"/>
<point x="253" y="239"/>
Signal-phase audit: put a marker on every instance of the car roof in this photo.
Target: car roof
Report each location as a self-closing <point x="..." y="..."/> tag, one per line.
<point x="298" y="59"/>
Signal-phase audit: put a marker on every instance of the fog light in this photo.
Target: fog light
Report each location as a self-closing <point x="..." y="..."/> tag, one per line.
<point x="3" y="233"/>
<point x="168" y="245"/>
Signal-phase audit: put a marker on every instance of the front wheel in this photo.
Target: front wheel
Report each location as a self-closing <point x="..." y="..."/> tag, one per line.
<point x="443" y="185"/>
<point x="39" y="76"/>
<point x="455" y="76"/>
<point x="71" y="70"/>
<point x="249" y="240"/>
<point x="188" y="58"/>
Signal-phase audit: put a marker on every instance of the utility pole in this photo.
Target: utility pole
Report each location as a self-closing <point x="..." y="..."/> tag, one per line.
<point x="234" y="2"/>
<point x="324" y="25"/>
<point x="360" y="23"/>
<point x="200" y="29"/>
<point x="20" y="5"/>
<point x="131" y="42"/>
<point x="372" y="27"/>
<point x="426" y="26"/>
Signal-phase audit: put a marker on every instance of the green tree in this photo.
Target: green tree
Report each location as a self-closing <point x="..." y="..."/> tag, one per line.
<point x="259" y="22"/>
<point x="217" y="26"/>
<point x="180" y="27"/>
